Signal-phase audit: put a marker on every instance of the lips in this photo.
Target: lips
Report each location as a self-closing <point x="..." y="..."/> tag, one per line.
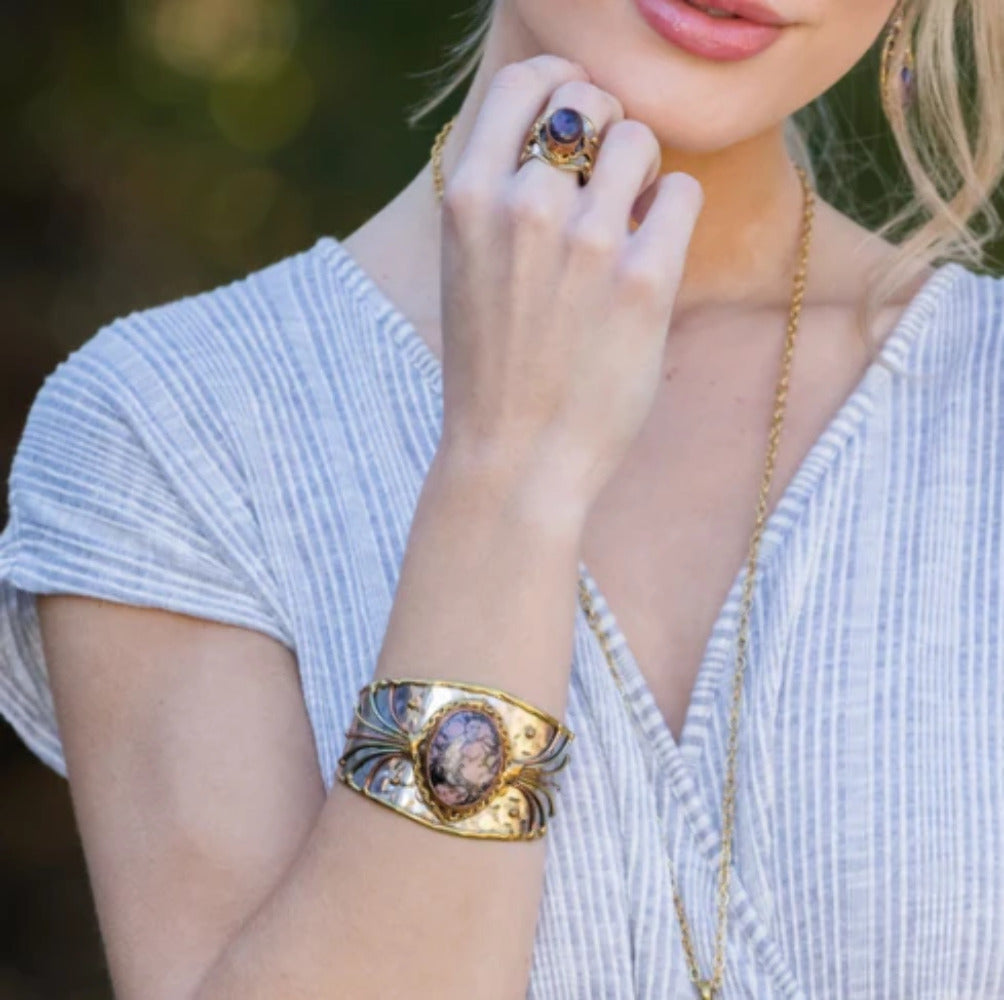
<point x="755" y="27"/>
<point x="749" y="10"/>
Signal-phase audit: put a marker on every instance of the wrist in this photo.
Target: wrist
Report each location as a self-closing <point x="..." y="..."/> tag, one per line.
<point x="494" y="478"/>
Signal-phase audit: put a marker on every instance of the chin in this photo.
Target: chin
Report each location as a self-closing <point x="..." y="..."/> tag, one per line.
<point x="694" y="103"/>
<point x="691" y="115"/>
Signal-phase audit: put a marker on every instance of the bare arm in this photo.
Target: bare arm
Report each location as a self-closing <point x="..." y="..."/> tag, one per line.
<point x="214" y="856"/>
<point x="220" y="869"/>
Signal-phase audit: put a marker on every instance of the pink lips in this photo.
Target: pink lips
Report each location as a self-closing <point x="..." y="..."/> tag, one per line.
<point x="753" y="30"/>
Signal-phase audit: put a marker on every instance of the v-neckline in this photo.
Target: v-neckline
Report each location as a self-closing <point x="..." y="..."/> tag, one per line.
<point x="820" y="456"/>
<point x="719" y="650"/>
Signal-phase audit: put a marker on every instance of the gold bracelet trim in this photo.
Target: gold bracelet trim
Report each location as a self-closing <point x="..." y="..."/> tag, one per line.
<point x="458" y="757"/>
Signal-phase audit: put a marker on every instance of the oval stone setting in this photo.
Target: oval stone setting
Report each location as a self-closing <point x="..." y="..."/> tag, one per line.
<point x="464" y="758"/>
<point x="565" y="126"/>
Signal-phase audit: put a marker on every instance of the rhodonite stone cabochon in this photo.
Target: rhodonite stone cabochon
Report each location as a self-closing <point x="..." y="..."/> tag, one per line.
<point x="464" y="758"/>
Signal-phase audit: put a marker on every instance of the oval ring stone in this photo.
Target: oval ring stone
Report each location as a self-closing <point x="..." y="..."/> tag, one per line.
<point x="565" y="126"/>
<point x="464" y="757"/>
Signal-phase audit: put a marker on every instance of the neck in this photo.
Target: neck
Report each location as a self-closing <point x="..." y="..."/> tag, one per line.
<point x="743" y="249"/>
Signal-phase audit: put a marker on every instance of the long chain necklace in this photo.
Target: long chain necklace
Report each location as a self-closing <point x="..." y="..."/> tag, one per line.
<point x="710" y="988"/>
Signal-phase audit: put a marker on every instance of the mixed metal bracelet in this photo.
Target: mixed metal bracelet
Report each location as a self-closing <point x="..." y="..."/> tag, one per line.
<point x="458" y="757"/>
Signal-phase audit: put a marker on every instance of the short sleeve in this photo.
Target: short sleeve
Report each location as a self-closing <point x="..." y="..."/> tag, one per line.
<point x="114" y="493"/>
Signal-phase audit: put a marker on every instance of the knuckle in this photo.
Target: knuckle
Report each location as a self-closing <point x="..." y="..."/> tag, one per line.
<point x="686" y="187"/>
<point x="556" y="68"/>
<point x="587" y="97"/>
<point x="527" y="206"/>
<point x="639" y="280"/>
<point x="587" y="237"/>
<point x="516" y="76"/>
<point x="635" y="135"/>
<point x="571" y="93"/>
<point x="465" y="196"/>
<point x="536" y="72"/>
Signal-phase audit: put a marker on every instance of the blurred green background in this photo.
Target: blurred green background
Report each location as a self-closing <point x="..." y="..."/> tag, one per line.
<point x="155" y="148"/>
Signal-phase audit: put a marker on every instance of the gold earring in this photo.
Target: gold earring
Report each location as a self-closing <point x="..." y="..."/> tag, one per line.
<point x="897" y="82"/>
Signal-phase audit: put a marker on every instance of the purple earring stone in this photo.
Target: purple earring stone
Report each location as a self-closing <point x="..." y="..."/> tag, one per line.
<point x="907" y="85"/>
<point x="565" y="126"/>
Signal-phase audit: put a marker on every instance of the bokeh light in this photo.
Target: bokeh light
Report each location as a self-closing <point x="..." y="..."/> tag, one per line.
<point x="212" y="38"/>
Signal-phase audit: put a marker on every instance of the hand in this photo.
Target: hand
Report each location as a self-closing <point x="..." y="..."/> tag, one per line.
<point x="555" y="313"/>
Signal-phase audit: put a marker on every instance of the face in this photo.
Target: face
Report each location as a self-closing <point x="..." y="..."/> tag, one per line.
<point x="704" y="83"/>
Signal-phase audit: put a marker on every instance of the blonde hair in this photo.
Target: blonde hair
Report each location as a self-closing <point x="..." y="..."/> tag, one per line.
<point x="951" y="139"/>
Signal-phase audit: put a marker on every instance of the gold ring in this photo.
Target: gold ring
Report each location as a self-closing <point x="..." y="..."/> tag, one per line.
<point x="564" y="138"/>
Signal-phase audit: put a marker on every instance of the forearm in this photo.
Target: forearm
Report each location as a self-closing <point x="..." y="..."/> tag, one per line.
<point x="376" y="904"/>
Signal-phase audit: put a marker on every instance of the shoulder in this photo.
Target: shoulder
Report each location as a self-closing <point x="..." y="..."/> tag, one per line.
<point x="971" y="304"/>
<point x="165" y="399"/>
<point x="233" y="327"/>
<point x="217" y="337"/>
<point x="137" y="473"/>
<point x="955" y="405"/>
<point x="219" y="356"/>
<point x="962" y="342"/>
<point x="207" y="396"/>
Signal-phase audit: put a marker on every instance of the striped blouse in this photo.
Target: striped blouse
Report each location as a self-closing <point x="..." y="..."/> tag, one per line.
<point x="254" y="455"/>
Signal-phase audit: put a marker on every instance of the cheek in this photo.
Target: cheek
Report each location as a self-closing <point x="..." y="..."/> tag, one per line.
<point x="696" y="104"/>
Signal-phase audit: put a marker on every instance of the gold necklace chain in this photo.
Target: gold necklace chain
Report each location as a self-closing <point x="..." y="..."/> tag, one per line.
<point x="709" y="988"/>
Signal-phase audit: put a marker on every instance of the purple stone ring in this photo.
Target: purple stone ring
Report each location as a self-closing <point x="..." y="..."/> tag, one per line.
<point x="565" y="127"/>
<point x="563" y="138"/>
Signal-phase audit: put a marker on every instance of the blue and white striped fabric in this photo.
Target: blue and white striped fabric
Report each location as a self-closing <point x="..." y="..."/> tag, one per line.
<point x="254" y="455"/>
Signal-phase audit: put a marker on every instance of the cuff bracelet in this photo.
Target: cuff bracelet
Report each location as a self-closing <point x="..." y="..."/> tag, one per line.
<point x="470" y="760"/>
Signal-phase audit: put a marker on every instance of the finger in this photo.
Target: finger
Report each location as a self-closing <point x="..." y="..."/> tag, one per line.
<point x="599" y="106"/>
<point x="627" y="164"/>
<point x="657" y="250"/>
<point x="514" y="99"/>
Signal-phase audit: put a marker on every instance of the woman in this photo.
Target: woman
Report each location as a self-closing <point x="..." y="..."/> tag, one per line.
<point x="393" y="456"/>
